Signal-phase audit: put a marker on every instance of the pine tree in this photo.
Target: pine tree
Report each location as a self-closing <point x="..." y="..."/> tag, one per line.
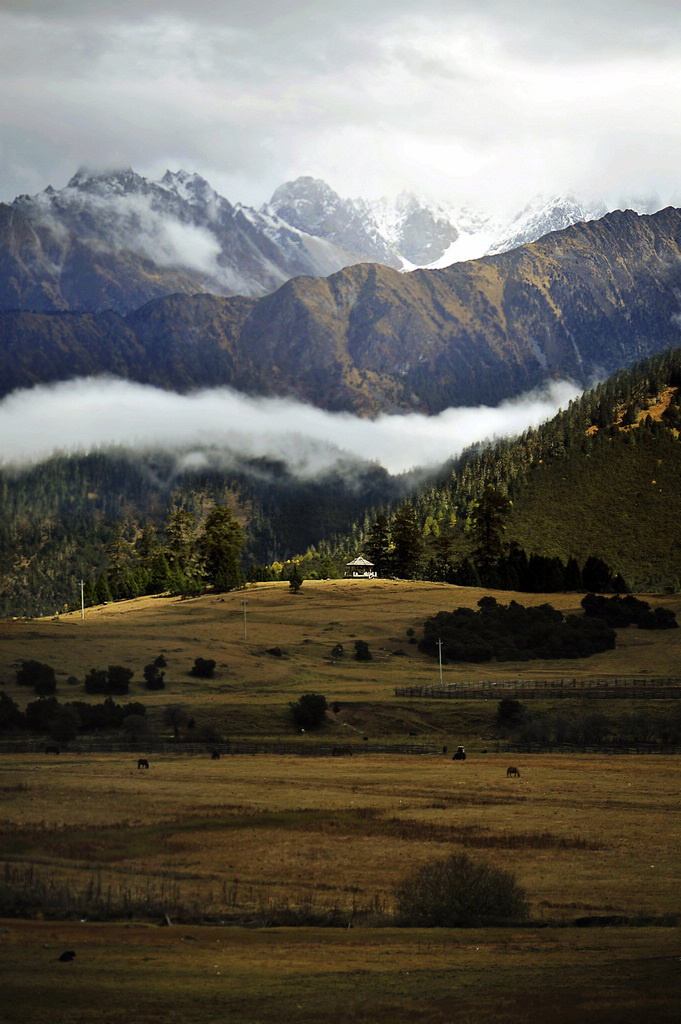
<point x="487" y="525"/>
<point x="220" y="545"/>
<point x="407" y="542"/>
<point x="378" y="544"/>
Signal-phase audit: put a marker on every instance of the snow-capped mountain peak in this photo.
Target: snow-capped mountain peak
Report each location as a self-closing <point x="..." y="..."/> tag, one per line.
<point x="115" y="239"/>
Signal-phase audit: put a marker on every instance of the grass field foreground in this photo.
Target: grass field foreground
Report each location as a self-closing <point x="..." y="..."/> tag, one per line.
<point x="149" y="975"/>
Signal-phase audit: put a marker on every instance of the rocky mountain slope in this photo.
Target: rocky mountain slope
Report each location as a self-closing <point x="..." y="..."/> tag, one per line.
<point x="115" y="241"/>
<point x="580" y="303"/>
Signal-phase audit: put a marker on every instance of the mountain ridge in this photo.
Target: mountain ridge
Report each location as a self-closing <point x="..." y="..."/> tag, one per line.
<point x="116" y="240"/>
<point x="577" y="304"/>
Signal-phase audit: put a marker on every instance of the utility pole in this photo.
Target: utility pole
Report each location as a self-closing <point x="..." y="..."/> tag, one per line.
<point x="244" y="602"/>
<point x="82" y="600"/>
<point x="439" y="658"/>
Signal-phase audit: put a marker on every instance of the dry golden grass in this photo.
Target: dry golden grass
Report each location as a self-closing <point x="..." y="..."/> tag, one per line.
<point x="306" y="626"/>
<point x="585" y="835"/>
<point x="331" y="976"/>
<point x="249" y="838"/>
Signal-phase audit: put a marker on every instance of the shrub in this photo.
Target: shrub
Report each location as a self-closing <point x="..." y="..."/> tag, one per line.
<point x="308" y="712"/>
<point x="96" y="681"/>
<point x="209" y="734"/>
<point x="510" y="712"/>
<point x="296" y="579"/>
<point x="65" y="724"/>
<point x="203" y="668"/>
<point x="38" y="675"/>
<point x="135" y="726"/>
<point x="362" y="652"/>
<point x="458" y="893"/>
<point x="10" y="715"/>
<point x="118" y="678"/>
<point x="115" y="679"/>
<point x="41" y="714"/>
<point x="153" y="677"/>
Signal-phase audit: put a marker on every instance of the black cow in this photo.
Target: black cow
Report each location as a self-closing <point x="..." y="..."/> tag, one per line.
<point x="67" y="956"/>
<point x="51" y="750"/>
<point x="142" y="763"/>
<point x="460" y="755"/>
<point x="512" y="771"/>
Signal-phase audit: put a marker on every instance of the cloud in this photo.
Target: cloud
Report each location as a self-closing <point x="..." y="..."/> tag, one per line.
<point x="222" y="426"/>
<point x="484" y="100"/>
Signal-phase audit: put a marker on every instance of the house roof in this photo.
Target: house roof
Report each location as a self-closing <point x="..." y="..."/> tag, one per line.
<point x="360" y="561"/>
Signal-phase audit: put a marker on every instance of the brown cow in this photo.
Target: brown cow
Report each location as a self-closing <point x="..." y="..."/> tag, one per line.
<point x="512" y="771"/>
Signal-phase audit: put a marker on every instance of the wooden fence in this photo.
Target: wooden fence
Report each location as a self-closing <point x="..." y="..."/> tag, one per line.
<point x="143" y="748"/>
<point x="528" y="689"/>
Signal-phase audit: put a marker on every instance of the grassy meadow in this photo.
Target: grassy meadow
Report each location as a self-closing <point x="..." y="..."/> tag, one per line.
<point x="252" y="686"/>
<point x="277" y="872"/>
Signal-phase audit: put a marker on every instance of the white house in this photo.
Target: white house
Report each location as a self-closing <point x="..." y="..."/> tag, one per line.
<point x="360" y="568"/>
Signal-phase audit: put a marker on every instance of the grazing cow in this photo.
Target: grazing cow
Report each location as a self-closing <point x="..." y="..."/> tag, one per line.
<point x="460" y="755"/>
<point x="215" y="755"/>
<point x="341" y="752"/>
<point x="512" y="771"/>
<point x="51" y="750"/>
<point x="67" y="956"/>
<point x="142" y="763"/>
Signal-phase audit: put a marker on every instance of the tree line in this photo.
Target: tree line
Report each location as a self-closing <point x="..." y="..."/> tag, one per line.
<point x="536" y="730"/>
<point x="184" y="559"/>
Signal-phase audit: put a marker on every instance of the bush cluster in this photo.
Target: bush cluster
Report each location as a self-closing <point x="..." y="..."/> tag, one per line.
<point x="514" y="633"/>
<point x="203" y="668"/>
<point x="620" y="612"/>
<point x="64" y="721"/>
<point x="308" y="711"/>
<point x="39" y="676"/>
<point x="113" y="681"/>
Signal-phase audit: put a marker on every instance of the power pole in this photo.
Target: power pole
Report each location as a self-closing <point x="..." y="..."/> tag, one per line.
<point x="82" y="600"/>
<point x="244" y="602"/>
<point x="439" y="658"/>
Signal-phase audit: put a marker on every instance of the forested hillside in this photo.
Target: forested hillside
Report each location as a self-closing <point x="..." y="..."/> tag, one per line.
<point x="597" y="485"/>
<point x="59" y="520"/>
<point x="600" y="480"/>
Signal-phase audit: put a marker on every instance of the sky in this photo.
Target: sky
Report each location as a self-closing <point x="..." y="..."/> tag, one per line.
<point x="485" y="102"/>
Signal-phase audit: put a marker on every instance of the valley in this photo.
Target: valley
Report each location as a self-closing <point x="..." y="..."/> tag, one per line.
<point x="340" y="513"/>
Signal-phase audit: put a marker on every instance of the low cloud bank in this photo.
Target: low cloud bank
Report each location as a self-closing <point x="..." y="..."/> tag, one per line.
<point x="89" y="414"/>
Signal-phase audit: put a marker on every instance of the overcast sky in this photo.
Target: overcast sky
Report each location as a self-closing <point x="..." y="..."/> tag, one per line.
<point x="484" y="101"/>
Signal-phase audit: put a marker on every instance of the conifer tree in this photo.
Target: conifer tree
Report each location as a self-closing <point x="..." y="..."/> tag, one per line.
<point x="407" y="542"/>
<point x="487" y="525"/>
<point x="378" y="544"/>
<point x="220" y="545"/>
